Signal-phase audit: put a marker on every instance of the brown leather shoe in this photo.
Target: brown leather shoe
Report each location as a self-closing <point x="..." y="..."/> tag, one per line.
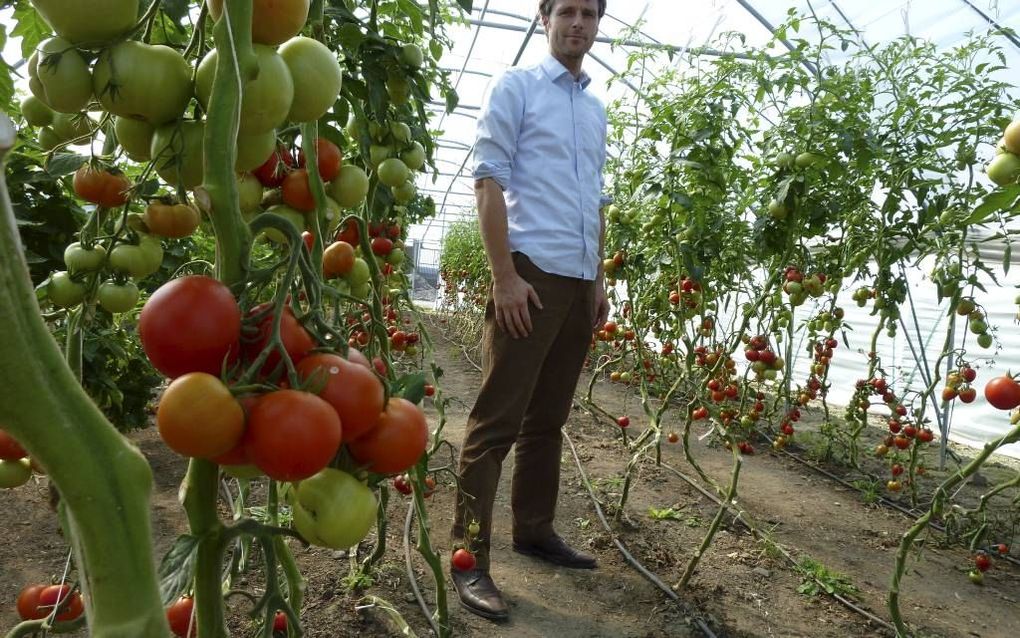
<point x="556" y="551"/>
<point x="479" y="595"/>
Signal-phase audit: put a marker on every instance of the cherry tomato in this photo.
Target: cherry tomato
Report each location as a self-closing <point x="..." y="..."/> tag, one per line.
<point x="463" y="560"/>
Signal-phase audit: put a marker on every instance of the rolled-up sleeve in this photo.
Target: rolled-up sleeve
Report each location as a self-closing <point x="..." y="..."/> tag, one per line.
<point x="498" y="127"/>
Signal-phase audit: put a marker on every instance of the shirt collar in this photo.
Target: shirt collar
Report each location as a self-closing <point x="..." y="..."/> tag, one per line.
<point x="555" y="70"/>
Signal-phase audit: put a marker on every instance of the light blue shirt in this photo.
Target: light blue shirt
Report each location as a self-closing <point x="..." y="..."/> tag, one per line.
<point x="542" y="137"/>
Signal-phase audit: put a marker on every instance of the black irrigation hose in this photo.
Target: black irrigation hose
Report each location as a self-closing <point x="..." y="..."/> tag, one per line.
<point x="627" y="556"/>
<point x="410" y="571"/>
<point x="738" y="517"/>
<point x="906" y="511"/>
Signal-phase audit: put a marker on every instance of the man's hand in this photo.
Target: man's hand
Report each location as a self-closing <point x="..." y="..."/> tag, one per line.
<point x="601" y="305"/>
<point x="510" y="295"/>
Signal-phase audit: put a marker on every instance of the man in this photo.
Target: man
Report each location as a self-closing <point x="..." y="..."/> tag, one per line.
<point x="539" y="155"/>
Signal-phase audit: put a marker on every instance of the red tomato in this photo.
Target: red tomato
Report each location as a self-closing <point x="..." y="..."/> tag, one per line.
<point x="297" y="193"/>
<point x="328" y="158"/>
<point x="353" y="390"/>
<point x="382" y="246"/>
<point x="402" y="484"/>
<point x="10" y="449"/>
<point x="101" y="187"/>
<point x="291" y="435"/>
<point x="349" y="233"/>
<point x="280" y="622"/>
<point x="463" y="560"/>
<point x="982" y="561"/>
<point x="274" y="169"/>
<point x="180" y="617"/>
<point x="296" y="340"/>
<point x="28" y="603"/>
<point x="623" y="421"/>
<point x="397" y="441"/>
<point x="430" y="389"/>
<point x="190" y="324"/>
<point x="62" y="597"/>
<point x="309" y="240"/>
<point x="1003" y="392"/>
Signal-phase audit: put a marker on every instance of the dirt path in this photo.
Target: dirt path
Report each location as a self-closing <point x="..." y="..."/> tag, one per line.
<point x="741" y="588"/>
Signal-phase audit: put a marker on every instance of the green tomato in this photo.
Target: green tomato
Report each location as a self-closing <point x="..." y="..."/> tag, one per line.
<point x="249" y="190"/>
<point x="778" y="210"/>
<point x="316" y="73"/>
<point x="377" y="154"/>
<point x="117" y="298"/>
<point x="89" y="23"/>
<point x="36" y="112"/>
<point x="48" y="139"/>
<point x="63" y="291"/>
<point x="359" y="274"/>
<point x="143" y="82"/>
<point x="404" y="193"/>
<point x="804" y="160"/>
<point x="785" y="160"/>
<point x="71" y="126"/>
<point x="131" y="260"/>
<point x="401" y="132"/>
<point x="177" y="152"/>
<point x="135" y="137"/>
<point x="396" y="258"/>
<point x="393" y="172"/>
<point x="350" y="187"/>
<point x="15" y="473"/>
<point x="361" y="291"/>
<point x="985" y="340"/>
<point x="1004" y="169"/>
<point x="412" y="56"/>
<point x="295" y="217"/>
<point x="414" y="157"/>
<point x="59" y="76"/>
<point x="152" y="250"/>
<point x="333" y="509"/>
<point x="252" y="150"/>
<point x="81" y="260"/>
<point x="977" y="326"/>
<point x="267" y="99"/>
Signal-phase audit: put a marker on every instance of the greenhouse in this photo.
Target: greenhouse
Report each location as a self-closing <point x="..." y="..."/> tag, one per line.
<point x="524" y="318"/>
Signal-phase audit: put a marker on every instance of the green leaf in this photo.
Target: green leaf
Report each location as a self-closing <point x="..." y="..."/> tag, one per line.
<point x="1007" y="257"/>
<point x="410" y="387"/>
<point x="452" y="100"/>
<point x="351" y="37"/>
<point x="465" y="5"/>
<point x="1003" y="199"/>
<point x="65" y="164"/>
<point x="31" y="28"/>
<point x="177" y="568"/>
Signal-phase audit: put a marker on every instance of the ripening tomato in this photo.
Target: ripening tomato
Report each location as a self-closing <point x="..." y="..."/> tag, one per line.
<point x="10" y="449"/>
<point x="337" y="259"/>
<point x="181" y="617"/>
<point x="1003" y="392"/>
<point x="100" y="186"/>
<point x="396" y="442"/>
<point x="171" y="220"/>
<point x="272" y="21"/>
<point x="199" y="417"/>
<point x="297" y="192"/>
<point x="328" y="158"/>
<point x="190" y="324"/>
<point x="353" y="390"/>
<point x="296" y="340"/>
<point x="291" y="435"/>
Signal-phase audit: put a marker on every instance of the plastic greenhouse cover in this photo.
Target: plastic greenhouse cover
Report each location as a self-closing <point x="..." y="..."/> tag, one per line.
<point x="483" y="51"/>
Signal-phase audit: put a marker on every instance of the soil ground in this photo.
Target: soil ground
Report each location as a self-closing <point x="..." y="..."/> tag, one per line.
<point x="740" y="588"/>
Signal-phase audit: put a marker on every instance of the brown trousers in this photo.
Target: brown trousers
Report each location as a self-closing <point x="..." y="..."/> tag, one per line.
<point x="527" y="391"/>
